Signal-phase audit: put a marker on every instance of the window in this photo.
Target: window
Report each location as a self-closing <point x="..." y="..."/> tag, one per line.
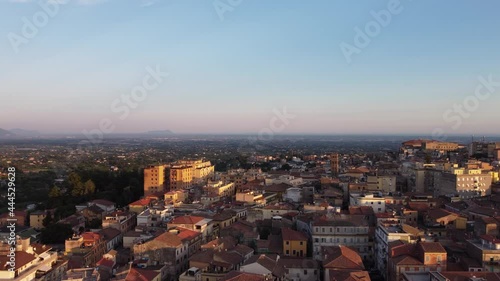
<point x="288" y="242"/>
<point x="287" y="252"/>
<point x="301" y="243"/>
<point x="427" y="258"/>
<point x="305" y="272"/>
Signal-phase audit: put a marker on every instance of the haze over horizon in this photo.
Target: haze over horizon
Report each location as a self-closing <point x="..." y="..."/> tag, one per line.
<point x="230" y="75"/>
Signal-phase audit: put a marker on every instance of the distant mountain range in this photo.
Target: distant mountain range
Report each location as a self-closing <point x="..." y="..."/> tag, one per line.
<point x="161" y="132"/>
<point x="18" y="133"/>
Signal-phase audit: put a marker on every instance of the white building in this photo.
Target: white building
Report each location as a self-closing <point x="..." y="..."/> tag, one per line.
<point x="377" y="202"/>
<point x="293" y="194"/>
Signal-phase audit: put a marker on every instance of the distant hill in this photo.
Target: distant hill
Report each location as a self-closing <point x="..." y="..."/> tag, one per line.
<point x="161" y="133"/>
<point x="5" y="133"/>
<point x="24" y="133"/>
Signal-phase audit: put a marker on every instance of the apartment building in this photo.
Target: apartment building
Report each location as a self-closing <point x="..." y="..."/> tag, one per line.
<point x="183" y="174"/>
<point x="198" y="224"/>
<point x="342" y="230"/>
<point x="486" y="251"/>
<point x="85" y="250"/>
<point x="294" y="243"/>
<point x="166" y="249"/>
<point x="374" y="200"/>
<point x="386" y="232"/>
<point x="123" y="221"/>
<point x="154" y="179"/>
<point x="464" y="182"/>
<point x="31" y="262"/>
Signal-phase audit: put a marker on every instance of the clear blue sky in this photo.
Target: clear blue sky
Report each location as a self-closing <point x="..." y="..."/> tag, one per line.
<point x="227" y="75"/>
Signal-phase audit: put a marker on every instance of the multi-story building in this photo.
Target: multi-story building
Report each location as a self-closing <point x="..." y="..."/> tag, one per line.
<point x="167" y="249"/>
<point x="382" y="183"/>
<point x="32" y="262"/>
<point x="220" y="188"/>
<point x="85" y="250"/>
<point x="389" y="231"/>
<point x="419" y="257"/>
<point x="123" y="221"/>
<point x="373" y="200"/>
<point x="342" y="230"/>
<point x="183" y="174"/>
<point x="294" y="243"/>
<point x="198" y="224"/>
<point x="154" y="179"/>
<point x="440" y="146"/>
<point x="334" y="164"/>
<point x="465" y="183"/>
<point x="486" y="251"/>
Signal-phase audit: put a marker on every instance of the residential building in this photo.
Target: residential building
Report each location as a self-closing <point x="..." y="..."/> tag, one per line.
<point x="85" y="250"/>
<point x="198" y="224"/>
<point x="123" y="221"/>
<point x="154" y="179"/>
<point x="337" y="230"/>
<point x="294" y="243"/>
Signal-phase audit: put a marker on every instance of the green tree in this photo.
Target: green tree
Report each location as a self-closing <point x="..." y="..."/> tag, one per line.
<point x="56" y="233"/>
<point x="47" y="220"/>
<point x="54" y="192"/>
<point x="78" y="190"/>
<point x="88" y="187"/>
<point x="74" y="179"/>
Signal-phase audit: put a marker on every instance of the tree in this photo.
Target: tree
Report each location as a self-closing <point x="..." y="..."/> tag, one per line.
<point x="47" y="220"/>
<point x="56" y="233"/>
<point x="54" y="192"/>
<point x="74" y="179"/>
<point x="88" y="187"/>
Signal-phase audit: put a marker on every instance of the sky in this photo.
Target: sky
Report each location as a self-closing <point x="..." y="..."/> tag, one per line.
<point x="235" y="66"/>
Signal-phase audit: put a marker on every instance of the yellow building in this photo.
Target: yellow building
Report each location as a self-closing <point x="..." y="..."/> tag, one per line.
<point x="183" y="174"/>
<point x="154" y="179"/>
<point x="294" y="243"/>
<point x="36" y="219"/>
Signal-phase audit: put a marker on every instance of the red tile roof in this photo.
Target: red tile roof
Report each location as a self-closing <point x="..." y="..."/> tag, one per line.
<point x="292" y="235"/>
<point x="342" y="257"/>
<point x="187" y="220"/>
<point x="139" y="274"/>
<point x="242" y="276"/>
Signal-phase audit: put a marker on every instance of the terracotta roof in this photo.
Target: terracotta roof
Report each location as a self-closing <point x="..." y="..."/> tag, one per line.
<point x="106" y="263"/>
<point x="141" y="202"/>
<point x="348" y="275"/>
<point x="22" y="259"/>
<point x="110" y="233"/>
<point x="187" y="220"/>
<point x="490" y="239"/>
<point x="439" y="213"/>
<point x="139" y="274"/>
<point x="103" y="202"/>
<point x="342" y="257"/>
<point x="187" y="234"/>
<point x="169" y="239"/>
<point x="242" y="276"/>
<point x="406" y="260"/>
<point x="292" y="235"/>
<point x="432" y="247"/>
